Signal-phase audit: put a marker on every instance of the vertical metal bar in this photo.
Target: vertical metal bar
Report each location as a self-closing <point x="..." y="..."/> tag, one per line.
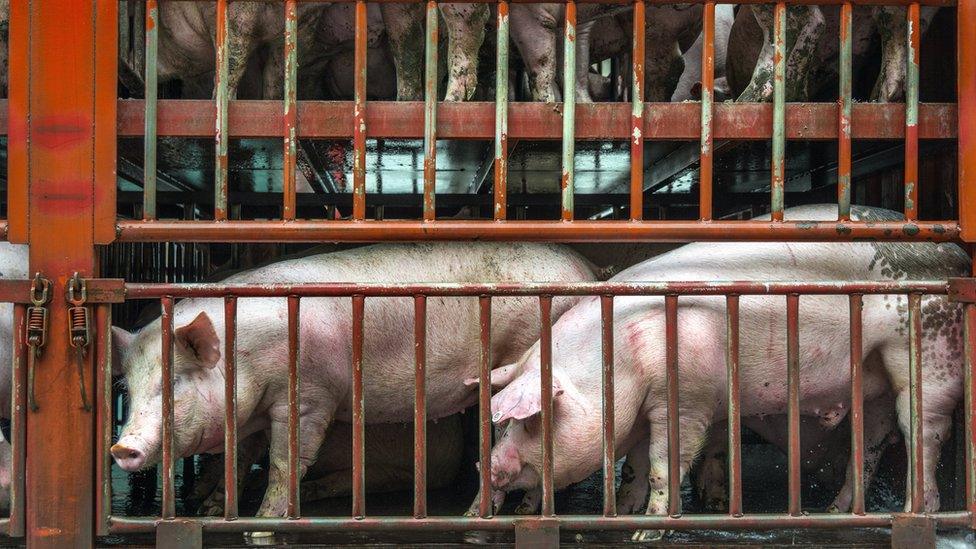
<point x="18" y="424"/>
<point x="420" y="407"/>
<point x="966" y="94"/>
<point x="734" y="404"/>
<point x="545" y="364"/>
<point x="103" y="411"/>
<point x="290" y="144"/>
<point x="294" y="444"/>
<point x="358" y="419"/>
<point x="707" y="108"/>
<point x="569" y="111"/>
<point x="169" y="500"/>
<point x="778" y="166"/>
<point x="149" y="139"/>
<point x="501" y="115"/>
<point x="857" y="405"/>
<point x="969" y="328"/>
<point x="674" y="434"/>
<point x="793" y="398"/>
<point x="915" y="460"/>
<point x="484" y="409"/>
<point x="430" y="112"/>
<point x="844" y="114"/>
<point x="637" y="116"/>
<point x="609" y="438"/>
<point x="911" y="114"/>
<point x="221" y="137"/>
<point x="230" y="407"/>
<point x="359" y="116"/>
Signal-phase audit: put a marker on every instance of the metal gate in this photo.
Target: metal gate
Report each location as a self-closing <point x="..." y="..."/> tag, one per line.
<point x="63" y="120"/>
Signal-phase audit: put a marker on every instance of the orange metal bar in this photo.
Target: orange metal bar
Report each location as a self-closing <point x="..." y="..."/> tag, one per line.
<point x="911" y="115"/>
<point x="359" y="116"/>
<point x="484" y="409"/>
<point x="734" y="405"/>
<point x="966" y="77"/>
<point x="103" y="420"/>
<point x="294" y="406"/>
<point x="844" y="105"/>
<point x="230" y="408"/>
<point x="793" y="398"/>
<point x="358" y="417"/>
<point x="168" y="372"/>
<point x="420" y="407"/>
<point x="290" y="108"/>
<point x="708" y="93"/>
<point x="545" y="366"/>
<point x="637" y="115"/>
<point x="674" y="417"/>
<point x="609" y="440"/>
<point x="916" y="461"/>
<point x="857" y="404"/>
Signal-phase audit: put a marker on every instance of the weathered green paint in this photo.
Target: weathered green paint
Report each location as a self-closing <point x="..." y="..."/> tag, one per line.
<point x="845" y="94"/>
<point x="501" y="112"/>
<point x="430" y="111"/>
<point x="911" y="76"/>
<point x="221" y="96"/>
<point x="149" y="140"/>
<point x="569" y="111"/>
<point x="778" y="166"/>
<point x="290" y="104"/>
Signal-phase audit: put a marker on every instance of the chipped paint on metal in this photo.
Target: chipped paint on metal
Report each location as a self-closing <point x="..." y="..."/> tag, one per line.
<point x="778" y="165"/>
<point x="501" y="114"/>
<point x="221" y="136"/>
<point x="289" y="184"/>
<point x="845" y="103"/>
<point x="149" y="140"/>
<point x="569" y="112"/>
<point x="911" y="114"/>
<point x="637" y="113"/>
<point x="359" y="115"/>
<point x="430" y="111"/>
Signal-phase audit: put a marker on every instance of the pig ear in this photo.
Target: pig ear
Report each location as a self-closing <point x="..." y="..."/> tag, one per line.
<point x="500" y="377"/>
<point x="200" y="340"/>
<point x="121" y="340"/>
<point x="521" y="399"/>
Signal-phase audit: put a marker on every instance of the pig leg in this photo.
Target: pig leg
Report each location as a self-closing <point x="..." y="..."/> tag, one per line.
<point x="760" y="87"/>
<point x="583" y="62"/>
<point x="242" y="40"/>
<point x="312" y="432"/>
<point x="405" y="31"/>
<point x="534" y="33"/>
<point x="879" y="427"/>
<point x="632" y="493"/>
<point x="273" y="86"/>
<point x="807" y="24"/>
<point x="893" y="28"/>
<point x="530" y="502"/>
<point x="466" y="32"/>
<point x="497" y="500"/>
<point x="936" y="424"/>
<point x="694" y="430"/>
<point x="663" y="66"/>
<point x="251" y="449"/>
<point x="711" y="481"/>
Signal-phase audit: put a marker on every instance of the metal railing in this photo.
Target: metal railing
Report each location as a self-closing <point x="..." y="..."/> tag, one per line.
<point x="672" y="292"/>
<point x="499" y="120"/>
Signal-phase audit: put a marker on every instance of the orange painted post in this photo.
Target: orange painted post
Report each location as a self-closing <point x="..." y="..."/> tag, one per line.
<point x="61" y="151"/>
<point x="966" y="43"/>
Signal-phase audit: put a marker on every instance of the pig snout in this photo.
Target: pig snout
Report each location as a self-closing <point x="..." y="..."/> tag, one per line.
<point x="505" y="466"/>
<point x="129" y="453"/>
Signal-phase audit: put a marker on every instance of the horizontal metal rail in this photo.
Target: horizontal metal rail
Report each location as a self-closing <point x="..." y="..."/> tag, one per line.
<point x="476" y="120"/>
<point x="658" y="2"/>
<point x="715" y="288"/>
<point x="539" y="231"/>
<point x="127" y="525"/>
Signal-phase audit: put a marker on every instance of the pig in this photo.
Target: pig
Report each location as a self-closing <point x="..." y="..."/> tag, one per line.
<point x="325" y="335"/>
<point x="640" y="412"/>
<point x="813" y="46"/>
<point x="689" y="84"/>
<point x="534" y="31"/>
<point x="388" y="453"/>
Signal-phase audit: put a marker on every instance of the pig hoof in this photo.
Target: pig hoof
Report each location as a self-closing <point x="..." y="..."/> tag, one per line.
<point x="259" y="538"/>
<point x="833" y="509"/>
<point x="470" y="513"/>
<point x="641" y="536"/>
<point x="524" y="509"/>
<point x="476" y="538"/>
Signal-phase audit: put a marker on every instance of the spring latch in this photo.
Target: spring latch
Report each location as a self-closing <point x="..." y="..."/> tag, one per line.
<point x="79" y="329"/>
<point x="37" y="321"/>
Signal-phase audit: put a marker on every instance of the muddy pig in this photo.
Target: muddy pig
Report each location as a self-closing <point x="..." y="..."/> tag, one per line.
<point x="640" y="389"/>
<point x="326" y="347"/>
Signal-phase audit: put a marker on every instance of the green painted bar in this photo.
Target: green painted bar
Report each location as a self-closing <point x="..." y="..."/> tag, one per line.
<point x="569" y="111"/>
<point x="289" y="184"/>
<point x="778" y="167"/>
<point x="149" y="140"/>
<point x="430" y="111"/>
<point x="221" y="94"/>
<point x="501" y="114"/>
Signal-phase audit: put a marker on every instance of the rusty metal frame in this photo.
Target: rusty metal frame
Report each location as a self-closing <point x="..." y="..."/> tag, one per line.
<point x="957" y="289"/>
